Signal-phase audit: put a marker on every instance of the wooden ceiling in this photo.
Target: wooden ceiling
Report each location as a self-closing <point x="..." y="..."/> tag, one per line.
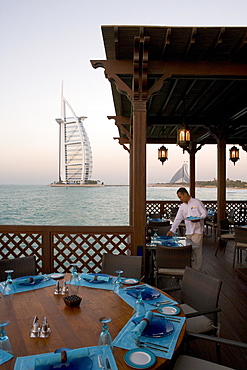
<point x="193" y="74"/>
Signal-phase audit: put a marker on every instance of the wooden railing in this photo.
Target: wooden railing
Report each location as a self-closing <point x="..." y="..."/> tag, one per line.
<point x="57" y="247"/>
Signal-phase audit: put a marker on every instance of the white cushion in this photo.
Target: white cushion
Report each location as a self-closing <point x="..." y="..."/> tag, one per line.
<point x="192" y="363"/>
<point x="198" y="324"/>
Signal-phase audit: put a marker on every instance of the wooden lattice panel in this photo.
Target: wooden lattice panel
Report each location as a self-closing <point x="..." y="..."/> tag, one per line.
<point x="16" y="245"/>
<point x="86" y="250"/>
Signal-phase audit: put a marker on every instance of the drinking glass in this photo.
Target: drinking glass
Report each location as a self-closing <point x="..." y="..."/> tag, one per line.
<point x="105" y="336"/>
<point x="4" y="339"/>
<point x="74" y="277"/>
<point x="139" y="309"/>
<point x="118" y="282"/>
<point x="9" y="286"/>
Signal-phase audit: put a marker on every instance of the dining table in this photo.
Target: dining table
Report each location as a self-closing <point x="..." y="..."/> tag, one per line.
<point x="71" y="327"/>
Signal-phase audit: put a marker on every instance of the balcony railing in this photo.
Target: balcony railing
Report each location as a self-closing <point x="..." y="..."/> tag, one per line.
<point x="57" y="247"/>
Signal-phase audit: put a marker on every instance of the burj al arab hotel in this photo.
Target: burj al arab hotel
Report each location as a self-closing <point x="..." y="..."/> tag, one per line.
<point x="75" y="154"/>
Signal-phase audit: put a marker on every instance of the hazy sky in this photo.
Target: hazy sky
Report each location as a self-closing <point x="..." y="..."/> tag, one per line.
<point x="46" y="41"/>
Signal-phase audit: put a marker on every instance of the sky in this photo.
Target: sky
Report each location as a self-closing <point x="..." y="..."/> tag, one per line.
<point x="45" y="42"/>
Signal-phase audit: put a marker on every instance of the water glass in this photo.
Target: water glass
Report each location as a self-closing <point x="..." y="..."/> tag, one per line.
<point x="9" y="286"/>
<point x="4" y="339"/>
<point x="105" y="336"/>
<point x="139" y="309"/>
<point x="118" y="285"/>
<point x="74" y="277"/>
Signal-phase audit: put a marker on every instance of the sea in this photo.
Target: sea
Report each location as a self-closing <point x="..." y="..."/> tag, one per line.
<point x="85" y="206"/>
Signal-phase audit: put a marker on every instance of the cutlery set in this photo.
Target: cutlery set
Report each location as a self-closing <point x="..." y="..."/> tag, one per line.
<point x="157" y="347"/>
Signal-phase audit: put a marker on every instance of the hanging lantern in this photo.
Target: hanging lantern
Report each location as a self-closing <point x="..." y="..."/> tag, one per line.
<point x="162" y="154"/>
<point x="234" y="154"/>
<point x="183" y="136"/>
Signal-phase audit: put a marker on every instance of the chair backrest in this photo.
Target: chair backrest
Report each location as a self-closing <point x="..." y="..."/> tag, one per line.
<point x="173" y="257"/>
<point x="130" y="265"/>
<point x="240" y="234"/>
<point x="161" y="230"/>
<point x="159" y="223"/>
<point x="24" y="266"/>
<point x="224" y="226"/>
<point x="199" y="290"/>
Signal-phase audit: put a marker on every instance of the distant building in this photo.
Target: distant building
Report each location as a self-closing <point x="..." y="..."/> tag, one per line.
<point x="75" y="154"/>
<point x="181" y="175"/>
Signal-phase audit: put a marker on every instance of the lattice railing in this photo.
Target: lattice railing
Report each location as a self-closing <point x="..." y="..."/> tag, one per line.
<point x="165" y="208"/>
<point x="57" y="247"/>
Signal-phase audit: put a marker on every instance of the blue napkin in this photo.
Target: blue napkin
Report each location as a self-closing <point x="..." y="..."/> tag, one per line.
<point x="28" y="280"/>
<point x="55" y="358"/>
<point x="5" y="356"/>
<point x="108" y="285"/>
<point x="99" y="277"/>
<point x="142" y="325"/>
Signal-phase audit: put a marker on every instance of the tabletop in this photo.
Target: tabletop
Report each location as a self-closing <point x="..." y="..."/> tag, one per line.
<point x="75" y="327"/>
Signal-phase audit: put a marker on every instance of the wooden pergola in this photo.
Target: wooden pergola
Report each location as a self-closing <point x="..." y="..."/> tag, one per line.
<point x="162" y="77"/>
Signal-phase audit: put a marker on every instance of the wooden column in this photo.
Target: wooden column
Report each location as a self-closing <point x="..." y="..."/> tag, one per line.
<point x="139" y="172"/>
<point x="221" y="178"/>
<point x="193" y="171"/>
<point x="131" y="187"/>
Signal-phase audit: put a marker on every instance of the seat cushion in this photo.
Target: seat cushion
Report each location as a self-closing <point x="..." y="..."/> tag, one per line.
<point x="198" y="324"/>
<point x="190" y="363"/>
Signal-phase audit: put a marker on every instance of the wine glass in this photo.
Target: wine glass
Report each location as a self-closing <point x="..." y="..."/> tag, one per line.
<point x="118" y="282"/>
<point x="139" y="309"/>
<point x="105" y="336"/>
<point x="4" y="339"/>
<point x="9" y="286"/>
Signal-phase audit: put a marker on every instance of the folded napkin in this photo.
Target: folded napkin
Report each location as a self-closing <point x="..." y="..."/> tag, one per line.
<point x="56" y="358"/>
<point x="4" y="356"/>
<point x="28" y="280"/>
<point x="95" y="277"/>
<point x="143" y="324"/>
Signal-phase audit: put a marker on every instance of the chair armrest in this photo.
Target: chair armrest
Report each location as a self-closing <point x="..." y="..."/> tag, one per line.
<point x="200" y="313"/>
<point x="217" y="340"/>
<point x="171" y="289"/>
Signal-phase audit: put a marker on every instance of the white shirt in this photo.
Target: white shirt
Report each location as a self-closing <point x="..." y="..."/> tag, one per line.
<point x="195" y="208"/>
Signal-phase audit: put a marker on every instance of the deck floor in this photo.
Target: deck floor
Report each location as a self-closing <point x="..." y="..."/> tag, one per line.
<point x="233" y="303"/>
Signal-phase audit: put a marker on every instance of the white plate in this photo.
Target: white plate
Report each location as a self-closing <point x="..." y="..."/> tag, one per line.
<point x="139" y="358"/>
<point x="169" y="310"/>
<point x="130" y="281"/>
<point x="56" y="276"/>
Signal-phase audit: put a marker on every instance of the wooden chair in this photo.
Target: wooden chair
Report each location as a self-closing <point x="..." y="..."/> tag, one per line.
<point x="130" y="265"/>
<point x="184" y="362"/>
<point x="24" y="266"/>
<point x="240" y="242"/>
<point x="225" y="234"/>
<point x="212" y="223"/>
<point x="171" y="261"/>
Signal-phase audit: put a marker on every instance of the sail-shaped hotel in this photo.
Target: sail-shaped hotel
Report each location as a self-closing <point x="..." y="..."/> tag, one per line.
<point x="75" y="154"/>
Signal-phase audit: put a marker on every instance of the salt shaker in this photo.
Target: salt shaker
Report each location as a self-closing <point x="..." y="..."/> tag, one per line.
<point x="35" y="329"/>
<point x="45" y="329"/>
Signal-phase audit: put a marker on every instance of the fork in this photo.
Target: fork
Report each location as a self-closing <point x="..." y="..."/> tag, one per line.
<point x="157" y="304"/>
<point x="151" y="346"/>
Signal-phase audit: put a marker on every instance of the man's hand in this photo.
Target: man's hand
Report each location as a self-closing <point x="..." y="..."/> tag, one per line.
<point x="169" y="233"/>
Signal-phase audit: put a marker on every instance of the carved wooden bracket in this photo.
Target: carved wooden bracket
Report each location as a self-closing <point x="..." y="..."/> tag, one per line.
<point x="121" y="142"/>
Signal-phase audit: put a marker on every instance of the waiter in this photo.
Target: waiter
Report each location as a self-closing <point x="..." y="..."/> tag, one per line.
<point x="191" y="207"/>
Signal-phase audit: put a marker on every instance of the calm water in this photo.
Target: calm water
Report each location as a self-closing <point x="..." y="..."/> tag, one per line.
<point x="44" y="205"/>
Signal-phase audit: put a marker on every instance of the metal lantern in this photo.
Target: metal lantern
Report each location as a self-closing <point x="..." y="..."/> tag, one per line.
<point x="183" y="136"/>
<point x="234" y="154"/>
<point x="162" y="154"/>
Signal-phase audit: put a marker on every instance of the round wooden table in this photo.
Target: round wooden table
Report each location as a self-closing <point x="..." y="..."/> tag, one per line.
<point x="70" y="327"/>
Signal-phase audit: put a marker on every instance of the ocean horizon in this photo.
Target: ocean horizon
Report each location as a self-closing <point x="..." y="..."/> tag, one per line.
<point x="85" y="206"/>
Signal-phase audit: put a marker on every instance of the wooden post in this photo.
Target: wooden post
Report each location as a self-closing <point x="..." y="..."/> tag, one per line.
<point x="139" y="172"/>
<point x="192" y="171"/>
<point x="221" y="179"/>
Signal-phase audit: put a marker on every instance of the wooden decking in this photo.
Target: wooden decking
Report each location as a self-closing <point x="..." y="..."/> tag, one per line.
<point x="233" y="303"/>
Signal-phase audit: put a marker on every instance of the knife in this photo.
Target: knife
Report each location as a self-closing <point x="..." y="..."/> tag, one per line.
<point x="107" y="362"/>
<point x="100" y="362"/>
